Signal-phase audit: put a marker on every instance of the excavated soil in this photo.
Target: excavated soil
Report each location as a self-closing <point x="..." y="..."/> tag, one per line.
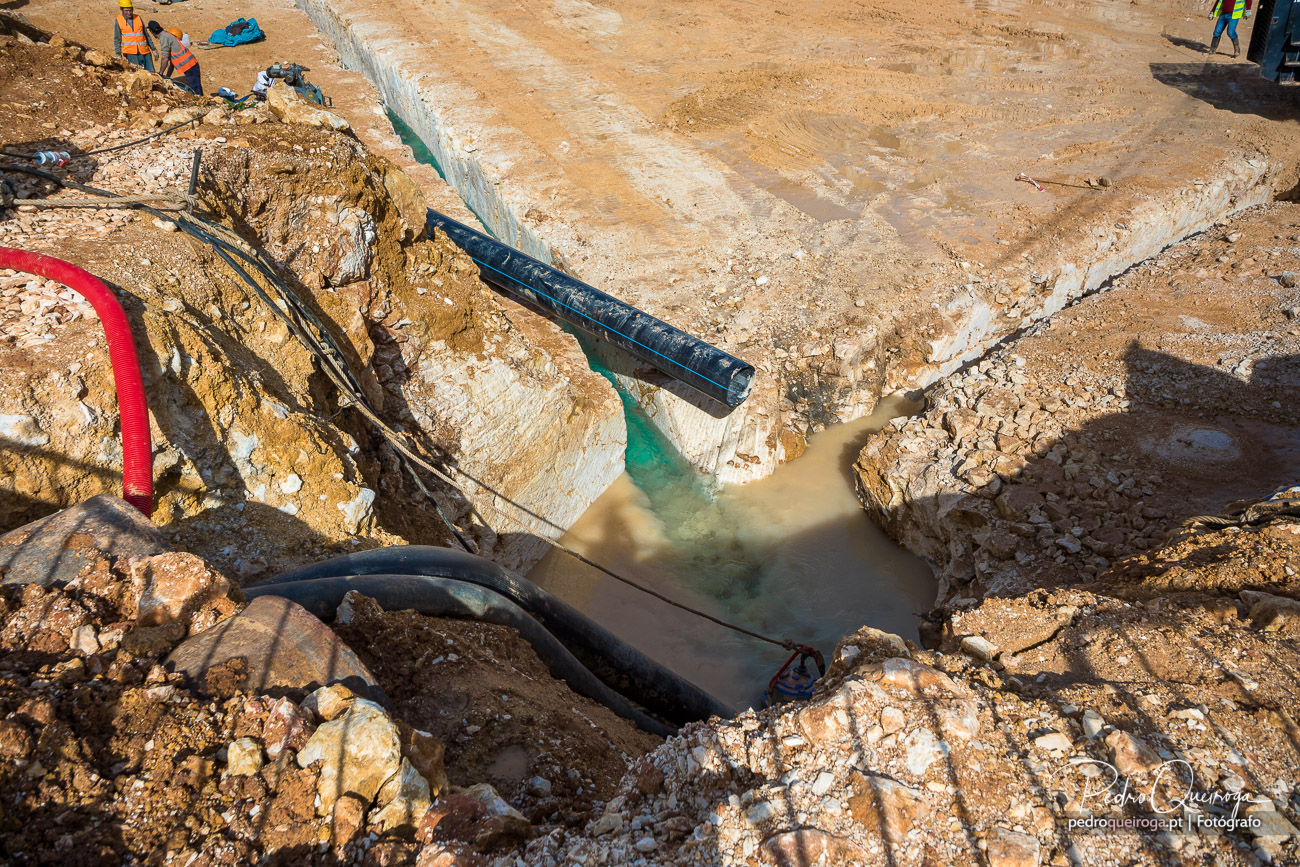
<point x="106" y="756"/>
<point x="1169" y="395"/>
<point x="252" y="440"/>
<point x="482" y="691"/>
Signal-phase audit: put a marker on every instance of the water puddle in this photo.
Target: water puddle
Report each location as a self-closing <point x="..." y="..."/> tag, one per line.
<point x="792" y="555"/>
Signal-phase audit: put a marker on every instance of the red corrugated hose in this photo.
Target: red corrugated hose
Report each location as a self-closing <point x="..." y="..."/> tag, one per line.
<point x="137" y="449"/>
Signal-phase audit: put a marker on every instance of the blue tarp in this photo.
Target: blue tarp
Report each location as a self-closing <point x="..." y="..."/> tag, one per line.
<point x="251" y="33"/>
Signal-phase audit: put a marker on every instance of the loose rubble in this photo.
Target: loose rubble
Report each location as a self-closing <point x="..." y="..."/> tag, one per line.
<point x="1165" y="397"/>
<point x="110" y="748"/>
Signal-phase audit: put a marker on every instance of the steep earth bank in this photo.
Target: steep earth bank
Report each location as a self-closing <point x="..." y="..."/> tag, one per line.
<point x="1090" y="438"/>
<point x="250" y="437"/>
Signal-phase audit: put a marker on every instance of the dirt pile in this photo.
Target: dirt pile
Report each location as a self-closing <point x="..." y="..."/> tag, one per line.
<point x="110" y="751"/>
<point x="1091" y="437"/>
<point x="252" y="443"/>
<point x="481" y="690"/>
<point x="104" y="748"/>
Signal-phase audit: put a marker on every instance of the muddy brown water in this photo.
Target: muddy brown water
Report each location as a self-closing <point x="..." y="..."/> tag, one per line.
<point x="791" y="555"/>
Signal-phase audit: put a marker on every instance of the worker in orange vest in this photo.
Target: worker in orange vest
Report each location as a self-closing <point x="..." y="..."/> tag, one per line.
<point x="172" y="54"/>
<point x="130" y="39"/>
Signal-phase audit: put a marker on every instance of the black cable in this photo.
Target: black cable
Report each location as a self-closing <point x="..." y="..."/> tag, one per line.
<point x="114" y="147"/>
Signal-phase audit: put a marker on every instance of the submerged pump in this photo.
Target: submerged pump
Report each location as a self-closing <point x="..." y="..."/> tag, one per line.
<point x="795" y="683"/>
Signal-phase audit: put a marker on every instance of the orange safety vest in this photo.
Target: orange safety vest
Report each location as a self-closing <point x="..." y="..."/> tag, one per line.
<point x="185" y="60"/>
<point x="133" y="41"/>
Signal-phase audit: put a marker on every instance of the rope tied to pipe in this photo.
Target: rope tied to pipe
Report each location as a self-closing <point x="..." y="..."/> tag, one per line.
<point x="308" y="329"/>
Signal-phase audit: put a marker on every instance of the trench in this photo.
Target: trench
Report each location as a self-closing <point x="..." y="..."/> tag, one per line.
<point x="792" y="555"/>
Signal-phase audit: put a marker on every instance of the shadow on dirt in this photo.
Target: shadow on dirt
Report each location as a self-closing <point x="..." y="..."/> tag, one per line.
<point x="1229" y="85"/>
<point x="1189" y="44"/>
<point x="1192" y="440"/>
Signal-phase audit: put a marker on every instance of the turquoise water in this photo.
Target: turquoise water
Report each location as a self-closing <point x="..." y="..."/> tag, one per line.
<point x="414" y="142"/>
<point x="792" y="555"/>
<point x="650" y="460"/>
<point x="424" y="155"/>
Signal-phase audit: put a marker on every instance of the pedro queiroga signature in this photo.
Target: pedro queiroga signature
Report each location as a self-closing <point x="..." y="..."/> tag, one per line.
<point x="1170" y="800"/>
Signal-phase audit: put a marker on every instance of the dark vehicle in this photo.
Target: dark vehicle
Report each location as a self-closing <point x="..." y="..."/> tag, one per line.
<point x="1275" y="39"/>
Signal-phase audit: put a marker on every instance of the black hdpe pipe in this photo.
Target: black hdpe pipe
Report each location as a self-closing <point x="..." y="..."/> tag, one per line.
<point x="686" y="359"/>
<point x="448" y="597"/>
<point x="616" y="663"/>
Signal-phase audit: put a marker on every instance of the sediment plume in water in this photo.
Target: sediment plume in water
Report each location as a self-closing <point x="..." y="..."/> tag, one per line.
<point x="792" y="555"/>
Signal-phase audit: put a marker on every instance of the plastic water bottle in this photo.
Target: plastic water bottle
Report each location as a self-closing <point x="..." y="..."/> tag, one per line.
<point x="57" y="158"/>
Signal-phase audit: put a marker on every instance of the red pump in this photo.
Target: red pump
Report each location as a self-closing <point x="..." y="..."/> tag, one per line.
<point x="137" y="448"/>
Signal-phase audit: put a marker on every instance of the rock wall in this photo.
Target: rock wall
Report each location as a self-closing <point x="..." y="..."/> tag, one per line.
<point x="746" y="269"/>
<point x="1058" y="274"/>
<point x="529" y="427"/>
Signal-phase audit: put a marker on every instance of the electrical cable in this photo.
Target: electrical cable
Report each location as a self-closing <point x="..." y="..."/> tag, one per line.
<point x="320" y="343"/>
<point x="133" y="409"/>
<point x="119" y="147"/>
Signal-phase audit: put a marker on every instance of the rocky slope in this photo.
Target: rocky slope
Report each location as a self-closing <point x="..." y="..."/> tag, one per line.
<point x="148" y="716"/>
<point x="250" y="439"/>
<point x="1167" y="396"/>
<point x="1137" y="697"/>
<point x="143" y="717"/>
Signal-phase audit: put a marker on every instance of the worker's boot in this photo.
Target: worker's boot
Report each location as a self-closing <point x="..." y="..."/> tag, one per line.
<point x="1214" y="45"/>
<point x="1236" y="47"/>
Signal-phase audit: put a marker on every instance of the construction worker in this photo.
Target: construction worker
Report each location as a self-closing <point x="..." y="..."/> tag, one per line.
<point x="1228" y="11"/>
<point x="130" y="38"/>
<point x="172" y="54"/>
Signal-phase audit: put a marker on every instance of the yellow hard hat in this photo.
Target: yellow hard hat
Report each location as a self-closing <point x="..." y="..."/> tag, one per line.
<point x="175" y="31"/>
<point x="125" y="4"/>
